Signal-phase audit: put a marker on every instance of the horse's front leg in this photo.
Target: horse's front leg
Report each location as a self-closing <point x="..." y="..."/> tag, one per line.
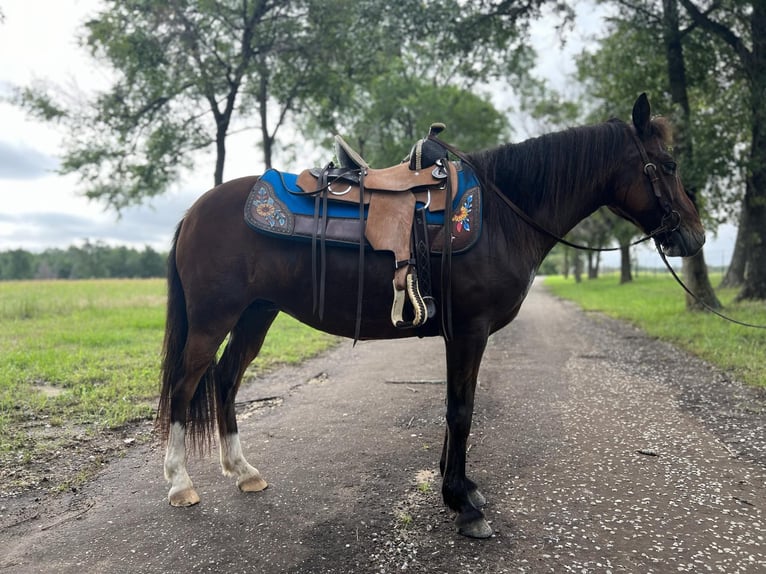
<point x="461" y="494"/>
<point x="476" y="497"/>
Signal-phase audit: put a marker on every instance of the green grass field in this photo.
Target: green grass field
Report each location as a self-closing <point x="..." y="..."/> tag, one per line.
<point x="78" y="357"/>
<point x="656" y="304"/>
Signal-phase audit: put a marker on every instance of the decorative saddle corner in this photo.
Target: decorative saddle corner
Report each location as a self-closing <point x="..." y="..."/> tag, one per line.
<point x="408" y="212"/>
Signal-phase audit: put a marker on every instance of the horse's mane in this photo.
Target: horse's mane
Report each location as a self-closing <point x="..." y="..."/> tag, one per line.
<point x="539" y="170"/>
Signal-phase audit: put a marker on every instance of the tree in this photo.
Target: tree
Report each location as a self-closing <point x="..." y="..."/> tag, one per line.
<point x="91" y="260"/>
<point x="694" y="267"/>
<point x="687" y="58"/>
<point x="594" y="232"/>
<point x="16" y="264"/>
<point x="625" y="233"/>
<point x="735" y="272"/>
<point x="188" y="72"/>
<point x="399" y="110"/>
<point x="741" y="26"/>
<point x="183" y="71"/>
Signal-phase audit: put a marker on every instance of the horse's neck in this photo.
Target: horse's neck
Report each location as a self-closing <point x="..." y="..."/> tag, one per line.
<point x="562" y="178"/>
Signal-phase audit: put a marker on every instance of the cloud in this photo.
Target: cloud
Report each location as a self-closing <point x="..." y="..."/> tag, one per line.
<point x="151" y="225"/>
<point x="21" y="162"/>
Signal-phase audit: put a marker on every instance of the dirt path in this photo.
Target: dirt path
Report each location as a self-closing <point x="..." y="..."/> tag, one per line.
<point x="599" y="450"/>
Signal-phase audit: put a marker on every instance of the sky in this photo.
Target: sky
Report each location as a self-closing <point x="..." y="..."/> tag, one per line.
<point x="41" y="209"/>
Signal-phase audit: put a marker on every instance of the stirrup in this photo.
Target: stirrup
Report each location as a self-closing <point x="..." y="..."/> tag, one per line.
<point x="421" y="310"/>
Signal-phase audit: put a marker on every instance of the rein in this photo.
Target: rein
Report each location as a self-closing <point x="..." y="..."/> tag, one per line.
<point x="663" y="228"/>
<point x="670" y="222"/>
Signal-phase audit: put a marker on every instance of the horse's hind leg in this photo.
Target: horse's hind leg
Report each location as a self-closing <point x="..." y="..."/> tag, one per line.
<point x="244" y="344"/>
<point x="190" y="405"/>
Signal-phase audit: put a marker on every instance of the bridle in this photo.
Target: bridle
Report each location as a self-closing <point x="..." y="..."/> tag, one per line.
<point x="671" y="219"/>
<point x="670" y="222"/>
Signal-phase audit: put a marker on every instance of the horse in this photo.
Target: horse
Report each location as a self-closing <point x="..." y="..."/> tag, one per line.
<point x="224" y="279"/>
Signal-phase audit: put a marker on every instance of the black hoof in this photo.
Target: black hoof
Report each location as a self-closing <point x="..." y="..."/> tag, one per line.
<point x="474" y="528"/>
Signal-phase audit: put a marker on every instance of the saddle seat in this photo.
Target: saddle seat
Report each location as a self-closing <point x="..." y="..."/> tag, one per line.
<point x="423" y="154"/>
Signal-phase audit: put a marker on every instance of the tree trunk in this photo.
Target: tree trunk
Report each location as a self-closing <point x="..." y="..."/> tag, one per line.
<point x="263" y="102"/>
<point x="220" y="157"/>
<point x="735" y="273"/>
<point x="754" y="286"/>
<point x="694" y="268"/>
<point x="754" y="240"/>
<point x="626" y="275"/>
<point x="593" y="260"/>
<point x="577" y="267"/>
<point x="696" y="278"/>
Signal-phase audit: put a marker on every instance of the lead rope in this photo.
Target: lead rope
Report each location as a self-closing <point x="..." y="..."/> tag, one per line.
<point x="700" y="301"/>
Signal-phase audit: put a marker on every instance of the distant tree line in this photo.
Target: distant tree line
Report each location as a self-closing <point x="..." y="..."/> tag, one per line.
<point x="89" y="261"/>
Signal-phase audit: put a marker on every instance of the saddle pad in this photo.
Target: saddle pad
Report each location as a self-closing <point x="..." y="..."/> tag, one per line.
<point x="271" y="208"/>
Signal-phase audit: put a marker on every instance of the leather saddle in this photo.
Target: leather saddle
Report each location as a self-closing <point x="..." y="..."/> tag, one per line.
<point x="392" y="209"/>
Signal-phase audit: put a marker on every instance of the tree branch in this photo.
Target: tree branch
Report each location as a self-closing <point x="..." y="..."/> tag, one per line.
<point x="703" y="20"/>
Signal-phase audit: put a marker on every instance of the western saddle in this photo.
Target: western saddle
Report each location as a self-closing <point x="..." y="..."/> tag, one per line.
<point x="395" y="200"/>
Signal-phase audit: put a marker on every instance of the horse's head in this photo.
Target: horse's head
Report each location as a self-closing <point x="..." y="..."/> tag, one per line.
<point x="649" y="191"/>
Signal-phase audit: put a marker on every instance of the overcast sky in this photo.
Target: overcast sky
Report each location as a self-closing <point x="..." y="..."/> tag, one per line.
<point x="40" y="209"/>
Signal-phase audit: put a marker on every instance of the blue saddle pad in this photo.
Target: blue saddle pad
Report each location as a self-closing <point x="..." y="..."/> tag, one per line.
<point x="277" y="206"/>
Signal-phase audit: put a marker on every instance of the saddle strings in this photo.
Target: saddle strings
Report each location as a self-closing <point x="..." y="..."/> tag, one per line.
<point x="446" y="267"/>
<point x="360" y="281"/>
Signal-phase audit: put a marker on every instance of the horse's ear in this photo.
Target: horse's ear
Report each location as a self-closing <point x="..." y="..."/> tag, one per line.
<point x="641" y="115"/>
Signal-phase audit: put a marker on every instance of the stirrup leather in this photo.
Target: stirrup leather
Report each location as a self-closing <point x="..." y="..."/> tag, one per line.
<point x="420" y="312"/>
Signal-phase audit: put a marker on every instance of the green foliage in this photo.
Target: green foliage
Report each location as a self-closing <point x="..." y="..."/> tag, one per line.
<point x="92" y="260"/>
<point x="631" y="59"/>
<point x="186" y="73"/>
<point x="84" y="356"/>
<point x="655" y="303"/>
<point x="400" y="110"/>
<point x="554" y="262"/>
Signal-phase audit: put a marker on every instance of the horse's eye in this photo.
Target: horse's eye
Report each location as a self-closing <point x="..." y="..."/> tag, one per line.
<point x="669" y="167"/>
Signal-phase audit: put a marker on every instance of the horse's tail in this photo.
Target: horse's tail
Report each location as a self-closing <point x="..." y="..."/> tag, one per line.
<point x="200" y="417"/>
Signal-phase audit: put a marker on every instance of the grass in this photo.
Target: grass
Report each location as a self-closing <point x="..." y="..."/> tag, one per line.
<point x="78" y="357"/>
<point x="656" y="304"/>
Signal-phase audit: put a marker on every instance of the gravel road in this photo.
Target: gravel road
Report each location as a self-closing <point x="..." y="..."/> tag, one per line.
<point x="599" y="449"/>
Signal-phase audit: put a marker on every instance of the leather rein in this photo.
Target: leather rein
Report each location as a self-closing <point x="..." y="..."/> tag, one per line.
<point x="671" y="220"/>
<point x="669" y="223"/>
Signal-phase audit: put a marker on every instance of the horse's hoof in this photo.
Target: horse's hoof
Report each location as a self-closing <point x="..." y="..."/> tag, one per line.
<point x="477" y="498"/>
<point x="477" y="528"/>
<point x="185" y="497"/>
<point x="252" y="484"/>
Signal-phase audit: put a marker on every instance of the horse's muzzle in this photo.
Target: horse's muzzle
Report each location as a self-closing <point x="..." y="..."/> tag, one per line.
<point x="682" y="242"/>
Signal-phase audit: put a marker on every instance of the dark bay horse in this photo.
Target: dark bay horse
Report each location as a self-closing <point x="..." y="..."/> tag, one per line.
<point x="225" y="279"/>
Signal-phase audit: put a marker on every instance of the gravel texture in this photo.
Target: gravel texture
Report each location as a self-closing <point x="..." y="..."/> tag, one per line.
<point x="599" y="449"/>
